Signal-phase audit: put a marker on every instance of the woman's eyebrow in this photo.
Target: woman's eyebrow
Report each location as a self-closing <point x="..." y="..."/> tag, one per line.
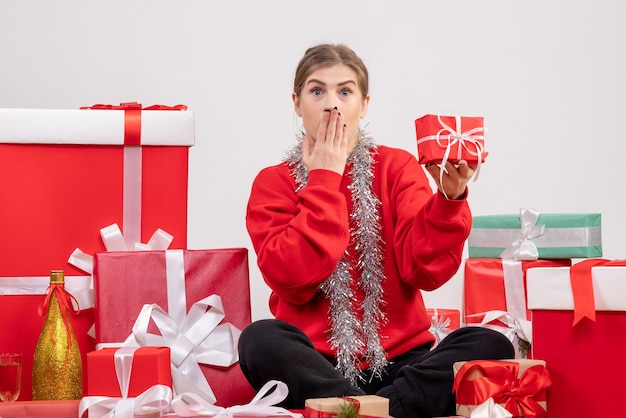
<point x="343" y="83"/>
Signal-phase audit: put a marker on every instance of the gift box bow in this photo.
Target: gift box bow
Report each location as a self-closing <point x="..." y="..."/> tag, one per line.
<point x="262" y="405"/>
<point x="506" y="324"/>
<point x="440" y="325"/>
<point x="132" y="117"/>
<point x="156" y="399"/>
<point x="199" y="338"/>
<point x="499" y="380"/>
<point x="523" y="248"/>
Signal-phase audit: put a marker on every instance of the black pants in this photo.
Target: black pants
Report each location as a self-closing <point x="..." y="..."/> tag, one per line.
<point x="417" y="383"/>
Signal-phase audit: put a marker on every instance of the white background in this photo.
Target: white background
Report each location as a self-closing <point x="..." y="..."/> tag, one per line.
<point x="548" y="76"/>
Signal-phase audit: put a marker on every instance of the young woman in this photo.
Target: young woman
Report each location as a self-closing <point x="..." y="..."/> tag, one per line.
<point x="347" y="233"/>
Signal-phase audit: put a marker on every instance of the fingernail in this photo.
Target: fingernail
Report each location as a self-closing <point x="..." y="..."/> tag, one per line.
<point x="345" y="126"/>
<point x="327" y="110"/>
<point x="335" y="108"/>
<point x="339" y="113"/>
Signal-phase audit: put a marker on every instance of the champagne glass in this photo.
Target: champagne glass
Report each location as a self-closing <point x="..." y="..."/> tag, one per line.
<point x="10" y="376"/>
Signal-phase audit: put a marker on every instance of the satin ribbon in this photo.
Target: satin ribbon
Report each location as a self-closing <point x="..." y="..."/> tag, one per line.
<point x="447" y="137"/>
<point x="499" y="380"/>
<point x="66" y="305"/>
<point x="132" y="117"/>
<point x="439" y="327"/>
<point x="132" y="181"/>
<point x="490" y="409"/>
<point x="198" y="338"/>
<point x="156" y="399"/>
<point x="262" y="405"/>
<point x="77" y="286"/>
<point x="582" y="286"/>
<point x="523" y="248"/>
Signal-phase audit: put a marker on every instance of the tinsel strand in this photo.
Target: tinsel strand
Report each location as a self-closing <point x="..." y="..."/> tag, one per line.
<point x="349" y="336"/>
<point x="368" y="242"/>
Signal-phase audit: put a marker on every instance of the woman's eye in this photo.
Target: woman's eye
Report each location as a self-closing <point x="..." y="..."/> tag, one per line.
<point x="346" y="92"/>
<point x="316" y="91"/>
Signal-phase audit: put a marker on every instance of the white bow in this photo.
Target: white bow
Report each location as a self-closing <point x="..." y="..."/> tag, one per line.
<point x="113" y="241"/>
<point x="199" y="338"/>
<point x="490" y="409"/>
<point x="191" y="405"/>
<point x="439" y="327"/>
<point x="454" y="136"/>
<point x="523" y="248"/>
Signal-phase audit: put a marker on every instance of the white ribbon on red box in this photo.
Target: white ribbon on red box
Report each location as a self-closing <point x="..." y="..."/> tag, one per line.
<point x="191" y="405"/>
<point x="154" y="400"/>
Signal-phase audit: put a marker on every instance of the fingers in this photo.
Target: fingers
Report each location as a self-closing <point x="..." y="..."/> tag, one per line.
<point x="331" y="127"/>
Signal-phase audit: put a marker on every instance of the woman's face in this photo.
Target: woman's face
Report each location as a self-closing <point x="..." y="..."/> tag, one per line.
<point x="326" y="88"/>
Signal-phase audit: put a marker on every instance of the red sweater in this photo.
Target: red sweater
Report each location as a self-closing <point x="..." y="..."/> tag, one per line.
<point x="300" y="237"/>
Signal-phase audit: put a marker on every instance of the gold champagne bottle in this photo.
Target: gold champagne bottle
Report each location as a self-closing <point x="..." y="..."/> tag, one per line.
<point x="57" y="366"/>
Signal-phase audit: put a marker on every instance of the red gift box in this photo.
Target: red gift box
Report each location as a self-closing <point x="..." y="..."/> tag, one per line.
<point x="124" y="282"/>
<point x="147" y="366"/>
<point x="65" y="175"/>
<point x="492" y="284"/>
<point x="449" y="138"/>
<point x="585" y="359"/>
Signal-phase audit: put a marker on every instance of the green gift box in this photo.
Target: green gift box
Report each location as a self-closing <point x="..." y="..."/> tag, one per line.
<point x="531" y="236"/>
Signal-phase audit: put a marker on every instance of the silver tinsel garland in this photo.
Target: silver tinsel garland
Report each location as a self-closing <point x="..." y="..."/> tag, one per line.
<point x="354" y="339"/>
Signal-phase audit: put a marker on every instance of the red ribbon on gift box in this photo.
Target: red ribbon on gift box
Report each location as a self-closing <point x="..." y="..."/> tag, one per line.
<point x="582" y="286"/>
<point x="132" y="117"/>
<point x="499" y="380"/>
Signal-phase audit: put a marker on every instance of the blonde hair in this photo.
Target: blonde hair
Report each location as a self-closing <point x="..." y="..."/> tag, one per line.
<point x="328" y="55"/>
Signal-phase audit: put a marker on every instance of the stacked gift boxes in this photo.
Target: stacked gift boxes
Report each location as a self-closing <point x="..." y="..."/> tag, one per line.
<point x="66" y="174"/>
<point x="502" y="248"/>
<point x="69" y="176"/>
<point x="505" y="252"/>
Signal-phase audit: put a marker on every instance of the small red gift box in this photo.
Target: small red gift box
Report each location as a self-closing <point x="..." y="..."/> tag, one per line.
<point x="126" y="282"/>
<point x="585" y="359"/>
<point x="518" y="385"/>
<point x="449" y="138"/>
<point x="145" y="366"/>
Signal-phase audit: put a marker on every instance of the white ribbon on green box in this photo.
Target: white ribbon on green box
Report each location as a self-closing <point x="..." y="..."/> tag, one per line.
<point x="532" y="236"/>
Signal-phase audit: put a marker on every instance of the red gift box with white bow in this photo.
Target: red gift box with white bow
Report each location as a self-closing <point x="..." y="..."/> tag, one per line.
<point x="450" y="138"/>
<point x="194" y="301"/>
<point x="67" y="173"/>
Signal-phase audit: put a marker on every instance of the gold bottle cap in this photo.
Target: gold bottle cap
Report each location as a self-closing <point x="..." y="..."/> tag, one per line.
<point x="57" y="277"/>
